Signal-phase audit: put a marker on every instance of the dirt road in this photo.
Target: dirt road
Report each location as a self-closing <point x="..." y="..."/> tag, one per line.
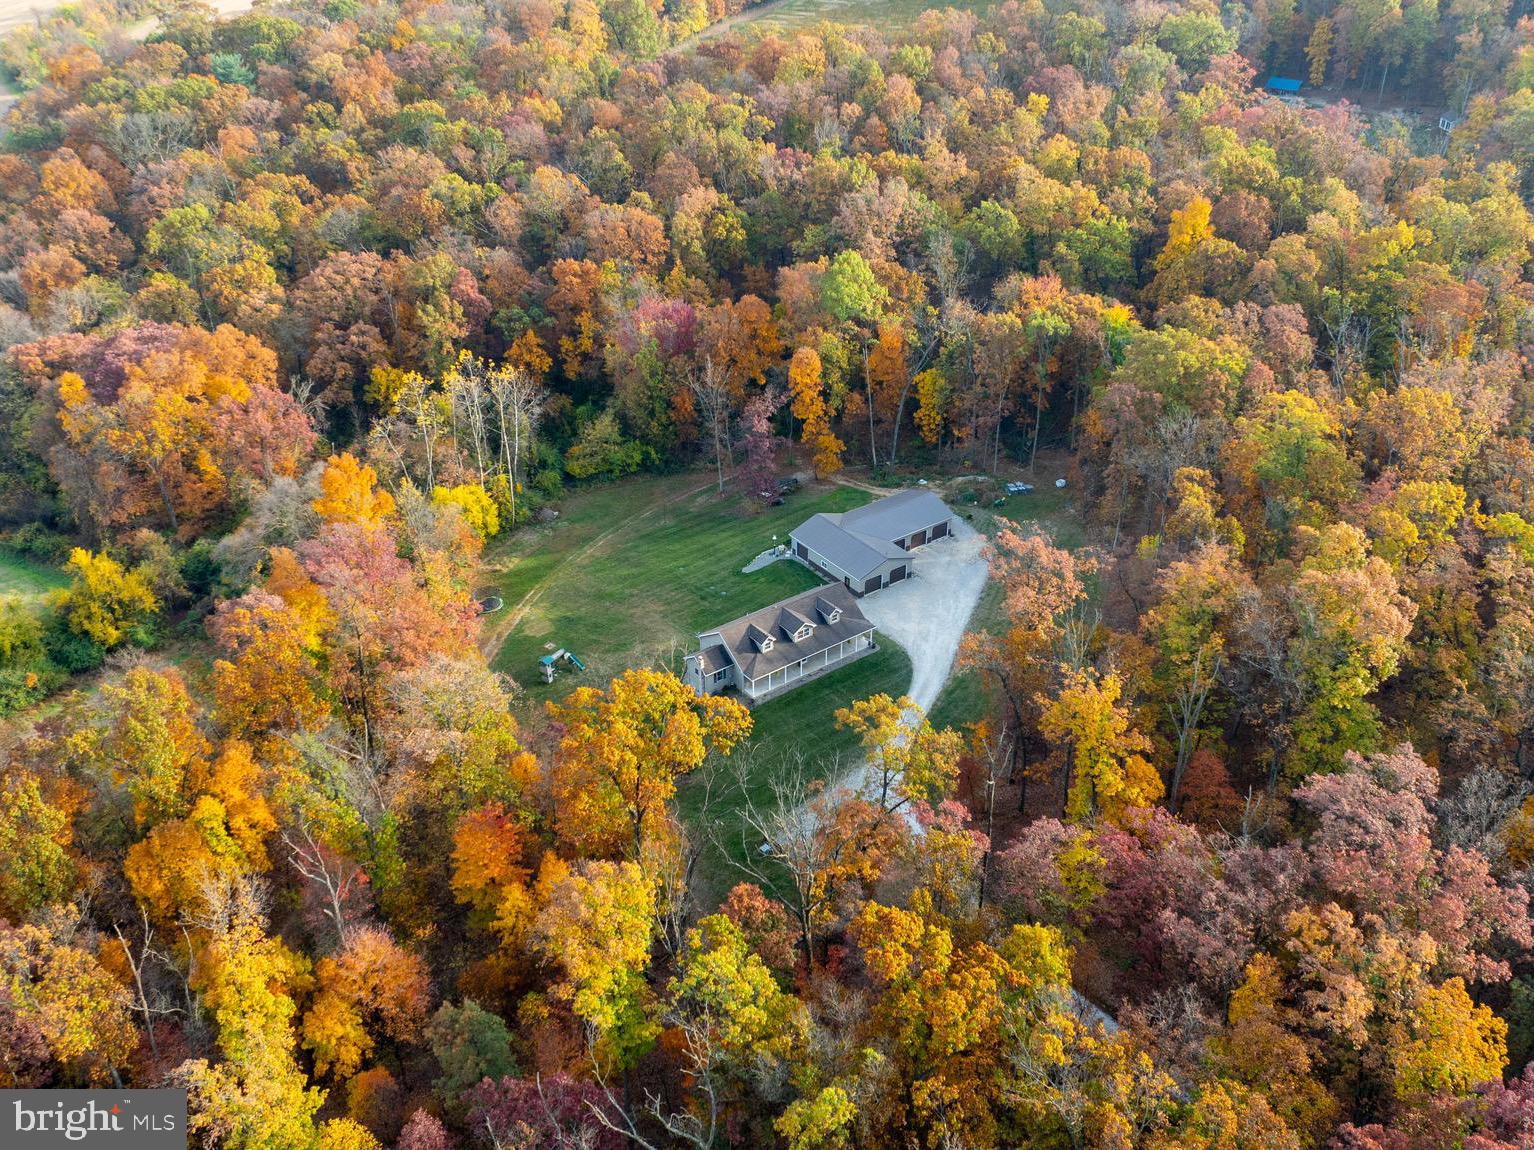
<point x="719" y="27"/>
<point x="15" y="13"/>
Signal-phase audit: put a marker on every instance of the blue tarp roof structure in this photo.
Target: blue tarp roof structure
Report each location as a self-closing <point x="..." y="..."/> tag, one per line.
<point x="1283" y="84"/>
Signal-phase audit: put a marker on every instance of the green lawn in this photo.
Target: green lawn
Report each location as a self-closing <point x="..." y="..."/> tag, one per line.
<point x="801" y="722"/>
<point x="884" y="14"/>
<point x="630" y="573"/>
<point x="27" y="579"/>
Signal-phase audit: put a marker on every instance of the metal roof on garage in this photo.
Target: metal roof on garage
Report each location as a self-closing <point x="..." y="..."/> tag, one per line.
<point x="897" y="516"/>
<point x="856" y="554"/>
<point x="861" y="541"/>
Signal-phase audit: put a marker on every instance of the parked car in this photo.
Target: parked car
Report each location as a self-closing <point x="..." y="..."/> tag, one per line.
<point x="1018" y="488"/>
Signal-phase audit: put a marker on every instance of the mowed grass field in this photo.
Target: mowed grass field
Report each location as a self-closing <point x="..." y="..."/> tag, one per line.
<point x="27" y="580"/>
<point x="630" y="573"/>
<point x="786" y="15"/>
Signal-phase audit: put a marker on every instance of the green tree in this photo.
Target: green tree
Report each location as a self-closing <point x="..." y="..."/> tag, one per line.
<point x="601" y="450"/>
<point x="470" y="1044"/>
<point x="851" y="292"/>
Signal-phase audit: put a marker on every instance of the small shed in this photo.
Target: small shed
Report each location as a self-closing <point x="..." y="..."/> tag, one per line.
<point x="1286" y="85"/>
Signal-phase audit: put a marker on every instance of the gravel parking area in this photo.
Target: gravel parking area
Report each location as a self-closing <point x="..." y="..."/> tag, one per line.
<point x="927" y="615"/>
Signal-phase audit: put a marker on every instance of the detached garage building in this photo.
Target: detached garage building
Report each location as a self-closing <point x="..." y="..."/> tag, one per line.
<point x="870" y="547"/>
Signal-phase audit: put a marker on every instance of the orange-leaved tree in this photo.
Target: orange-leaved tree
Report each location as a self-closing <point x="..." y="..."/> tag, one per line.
<point x="349" y="493"/>
<point x="373" y="985"/>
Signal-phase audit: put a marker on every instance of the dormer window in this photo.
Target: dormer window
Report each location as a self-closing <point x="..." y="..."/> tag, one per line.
<point x="828" y="611"/>
<point x="765" y="643"/>
<point x="804" y="632"/>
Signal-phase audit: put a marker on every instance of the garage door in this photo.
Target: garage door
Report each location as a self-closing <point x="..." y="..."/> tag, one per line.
<point x="940" y="530"/>
<point x="918" y="539"/>
<point x="897" y="574"/>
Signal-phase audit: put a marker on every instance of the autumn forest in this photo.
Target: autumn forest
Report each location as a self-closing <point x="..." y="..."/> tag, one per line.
<point x="318" y="320"/>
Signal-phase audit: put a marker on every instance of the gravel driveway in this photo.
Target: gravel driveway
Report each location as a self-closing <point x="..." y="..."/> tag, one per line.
<point x="927" y="615"/>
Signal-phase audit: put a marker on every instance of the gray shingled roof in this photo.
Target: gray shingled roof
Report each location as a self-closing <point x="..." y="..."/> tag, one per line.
<point x="807" y="607"/>
<point x="790" y="622"/>
<point x="862" y="540"/>
<point x="715" y="658"/>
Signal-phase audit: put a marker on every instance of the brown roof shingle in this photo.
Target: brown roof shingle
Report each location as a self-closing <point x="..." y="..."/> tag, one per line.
<point x="754" y="664"/>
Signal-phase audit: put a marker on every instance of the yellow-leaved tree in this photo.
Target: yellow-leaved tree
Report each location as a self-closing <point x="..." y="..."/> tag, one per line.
<point x="105" y="601"/>
<point x="955" y="1016"/>
<point x="256" y="1097"/>
<point x="1454" y="1045"/>
<point x="596" y="924"/>
<point x="910" y="760"/>
<point x="478" y="508"/>
<point x="1108" y="773"/>
<point x="61" y="990"/>
<point x="623" y="750"/>
<point x="807" y="391"/>
<point x="1189" y="228"/>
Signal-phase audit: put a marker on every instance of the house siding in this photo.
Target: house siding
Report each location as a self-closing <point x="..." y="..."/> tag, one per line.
<point x="858" y="585"/>
<point x="699" y="677"/>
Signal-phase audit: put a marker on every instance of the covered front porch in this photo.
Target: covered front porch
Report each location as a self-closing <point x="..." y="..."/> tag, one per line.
<point x="785" y="678"/>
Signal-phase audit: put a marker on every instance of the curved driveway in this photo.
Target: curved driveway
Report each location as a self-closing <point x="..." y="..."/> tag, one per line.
<point x="927" y="615"/>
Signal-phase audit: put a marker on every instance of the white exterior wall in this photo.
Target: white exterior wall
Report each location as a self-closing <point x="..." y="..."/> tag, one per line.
<point x="819" y="662"/>
<point x="703" y="681"/>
